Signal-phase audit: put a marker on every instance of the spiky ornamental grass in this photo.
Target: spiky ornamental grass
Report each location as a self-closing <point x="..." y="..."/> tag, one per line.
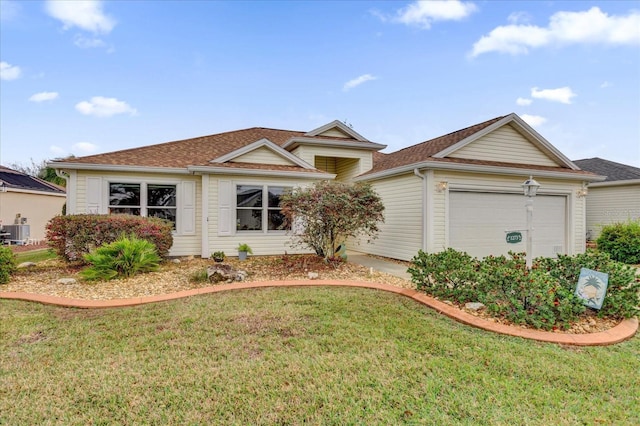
<point x="123" y="258"/>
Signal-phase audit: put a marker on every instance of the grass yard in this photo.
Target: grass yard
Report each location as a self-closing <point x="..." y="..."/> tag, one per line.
<point x="298" y="355"/>
<point x="35" y="255"/>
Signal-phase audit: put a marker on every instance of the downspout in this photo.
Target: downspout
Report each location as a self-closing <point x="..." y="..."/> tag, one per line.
<point x="422" y="176"/>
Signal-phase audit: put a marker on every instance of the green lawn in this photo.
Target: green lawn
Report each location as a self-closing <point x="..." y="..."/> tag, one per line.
<point x="35" y="255"/>
<point x="298" y="355"/>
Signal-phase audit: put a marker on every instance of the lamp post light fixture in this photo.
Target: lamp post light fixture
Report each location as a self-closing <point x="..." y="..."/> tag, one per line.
<point x="530" y="188"/>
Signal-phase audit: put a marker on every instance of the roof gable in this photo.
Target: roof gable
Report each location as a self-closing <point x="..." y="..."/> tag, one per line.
<point x="337" y="129"/>
<point x="262" y="151"/>
<point x="518" y="143"/>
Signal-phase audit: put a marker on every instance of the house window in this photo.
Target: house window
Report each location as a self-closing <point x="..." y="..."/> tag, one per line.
<point x="141" y="199"/>
<point x="258" y="208"/>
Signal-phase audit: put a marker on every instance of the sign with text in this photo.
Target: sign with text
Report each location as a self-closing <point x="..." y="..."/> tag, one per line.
<point x="514" y="237"/>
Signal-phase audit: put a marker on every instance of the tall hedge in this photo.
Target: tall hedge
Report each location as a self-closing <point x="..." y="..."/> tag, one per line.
<point x="621" y="241"/>
<point x="73" y="236"/>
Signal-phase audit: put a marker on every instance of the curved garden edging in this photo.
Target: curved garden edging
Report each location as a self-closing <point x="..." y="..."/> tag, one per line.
<point x="623" y="331"/>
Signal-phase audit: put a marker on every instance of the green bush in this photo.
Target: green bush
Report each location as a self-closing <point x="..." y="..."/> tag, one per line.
<point x="621" y="241"/>
<point x="524" y="296"/>
<point x="7" y="264"/>
<point x="623" y="291"/>
<point x="543" y="297"/>
<point x="449" y="274"/>
<point x="74" y="236"/>
<point x="122" y="258"/>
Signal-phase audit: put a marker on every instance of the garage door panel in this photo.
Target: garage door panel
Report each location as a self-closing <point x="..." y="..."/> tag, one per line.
<point x="478" y="221"/>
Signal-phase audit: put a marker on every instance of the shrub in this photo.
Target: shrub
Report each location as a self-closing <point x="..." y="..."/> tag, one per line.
<point x="199" y="276"/>
<point x="76" y="235"/>
<point x="524" y="296"/>
<point x="623" y="291"/>
<point x="7" y="264"/>
<point x="621" y="241"/>
<point x="449" y="274"/>
<point x="122" y="258"/>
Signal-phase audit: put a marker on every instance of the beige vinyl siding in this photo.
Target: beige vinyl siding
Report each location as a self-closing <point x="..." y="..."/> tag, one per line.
<point x="183" y="245"/>
<point x="335" y="133"/>
<point x="363" y="159"/>
<point x="505" y="145"/>
<point x="400" y="235"/>
<point x="263" y="155"/>
<point x="328" y="164"/>
<point x="611" y="204"/>
<point x="575" y="229"/>
<point x="37" y="208"/>
<point x="273" y="243"/>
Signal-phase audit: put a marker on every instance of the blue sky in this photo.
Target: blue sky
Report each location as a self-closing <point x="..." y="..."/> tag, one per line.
<point x="85" y="77"/>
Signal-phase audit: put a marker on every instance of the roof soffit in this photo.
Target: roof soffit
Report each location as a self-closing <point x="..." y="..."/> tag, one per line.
<point x="521" y="127"/>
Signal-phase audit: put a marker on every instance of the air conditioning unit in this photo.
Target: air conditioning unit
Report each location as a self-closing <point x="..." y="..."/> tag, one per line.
<point x="17" y="232"/>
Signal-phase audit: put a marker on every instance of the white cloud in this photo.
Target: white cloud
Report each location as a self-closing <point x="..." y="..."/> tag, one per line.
<point x="533" y="120"/>
<point x="561" y="94"/>
<point x="423" y="13"/>
<point x="56" y="150"/>
<point x="605" y="84"/>
<point x="9" y="10"/>
<point x="104" y="107"/>
<point x="358" y="81"/>
<point x="87" y="43"/>
<point x="523" y="101"/>
<point x="43" y="96"/>
<point x="9" y="72"/>
<point x="519" y="17"/>
<point x="84" y="147"/>
<point x="84" y="14"/>
<point x="592" y="26"/>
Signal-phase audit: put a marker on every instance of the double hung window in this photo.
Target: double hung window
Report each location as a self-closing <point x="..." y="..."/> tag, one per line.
<point x="144" y="199"/>
<point x="258" y="208"/>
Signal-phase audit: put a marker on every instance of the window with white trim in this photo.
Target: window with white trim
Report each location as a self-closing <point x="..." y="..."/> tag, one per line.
<point x="144" y="199"/>
<point x="258" y="208"/>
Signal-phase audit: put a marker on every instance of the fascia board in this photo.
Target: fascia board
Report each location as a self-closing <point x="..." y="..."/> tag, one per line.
<point x="31" y="191"/>
<point x="117" y="168"/>
<point x="436" y="165"/>
<point x="538" y="139"/>
<point x="264" y="142"/>
<point x="368" y="146"/>
<point x="340" y="125"/>
<point x="257" y="172"/>
<point x="615" y="183"/>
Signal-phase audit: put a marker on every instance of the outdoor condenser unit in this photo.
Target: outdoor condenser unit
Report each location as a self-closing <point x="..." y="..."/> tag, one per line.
<point x="17" y="232"/>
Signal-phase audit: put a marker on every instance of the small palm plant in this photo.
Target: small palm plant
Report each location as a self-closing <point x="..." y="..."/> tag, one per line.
<point x="123" y="258"/>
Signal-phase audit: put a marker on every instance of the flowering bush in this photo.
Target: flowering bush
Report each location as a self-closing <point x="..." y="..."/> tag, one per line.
<point x="74" y="236"/>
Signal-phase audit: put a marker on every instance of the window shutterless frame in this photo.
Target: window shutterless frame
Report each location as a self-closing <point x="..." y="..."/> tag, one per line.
<point x="258" y="208"/>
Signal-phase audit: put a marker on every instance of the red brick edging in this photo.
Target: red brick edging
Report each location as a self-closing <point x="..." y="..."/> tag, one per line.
<point x="623" y="331"/>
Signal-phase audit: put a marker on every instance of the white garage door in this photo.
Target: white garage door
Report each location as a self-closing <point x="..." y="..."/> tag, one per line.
<point x="478" y="221"/>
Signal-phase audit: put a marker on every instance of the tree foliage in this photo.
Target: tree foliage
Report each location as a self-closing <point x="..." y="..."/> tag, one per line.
<point x="41" y="170"/>
<point x="325" y="214"/>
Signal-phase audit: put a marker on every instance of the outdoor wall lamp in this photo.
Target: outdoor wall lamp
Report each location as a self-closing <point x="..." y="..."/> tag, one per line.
<point x="530" y="188"/>
<point x="442" y="186"/>
<point x="582" y="192"/>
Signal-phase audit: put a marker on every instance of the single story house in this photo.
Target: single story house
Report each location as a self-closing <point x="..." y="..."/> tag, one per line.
<point x="460" y="190"/>
<point x="28" y="200"/>
<point x="616" y="199"/>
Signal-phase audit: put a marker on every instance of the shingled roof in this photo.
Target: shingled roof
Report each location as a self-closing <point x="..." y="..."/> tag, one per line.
<point x="612" y="170"/>
<point x="18" y="180"/>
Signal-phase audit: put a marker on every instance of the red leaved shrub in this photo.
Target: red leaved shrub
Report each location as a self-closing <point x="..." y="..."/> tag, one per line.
<point x="75" y="235"/>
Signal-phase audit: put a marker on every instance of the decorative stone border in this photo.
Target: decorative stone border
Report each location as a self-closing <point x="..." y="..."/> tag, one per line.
<point x="623" y="331"/>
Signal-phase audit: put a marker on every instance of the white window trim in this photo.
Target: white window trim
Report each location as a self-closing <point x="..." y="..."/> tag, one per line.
<point x="265" y="208"/>
<point x="143" y="196"/>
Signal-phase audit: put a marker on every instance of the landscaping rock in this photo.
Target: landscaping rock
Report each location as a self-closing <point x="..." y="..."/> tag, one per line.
<point x="176" y="261"/>
<point x="26" y="265"/>
<point x="313" y="275"/>
<point x="474" y="306"/>
<point x="66" y="281"/>
<point x="224" y="272"/>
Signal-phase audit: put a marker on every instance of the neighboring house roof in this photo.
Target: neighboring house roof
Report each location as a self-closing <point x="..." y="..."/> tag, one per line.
<point x="613" y="171"/>
<point x="14" y="179"/>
